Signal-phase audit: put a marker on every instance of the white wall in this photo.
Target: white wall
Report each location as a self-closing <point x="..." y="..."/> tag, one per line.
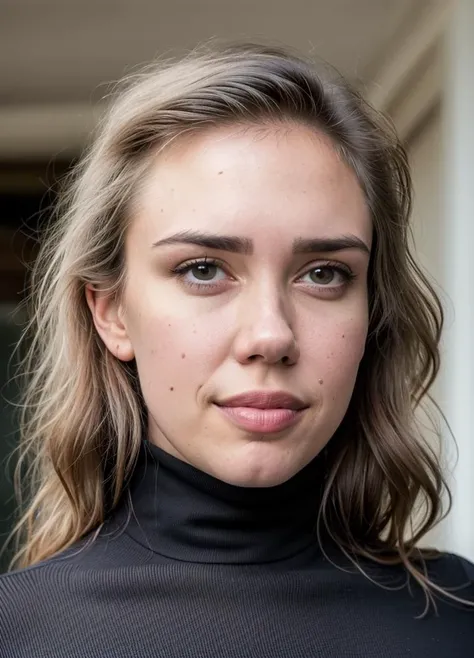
<point x="425" y="153"/>
<point x="435" y="68"/>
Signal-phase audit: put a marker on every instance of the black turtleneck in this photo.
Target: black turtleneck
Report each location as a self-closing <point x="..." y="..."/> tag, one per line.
<point x="185" y="514"/>
<point x="188" y="566"/>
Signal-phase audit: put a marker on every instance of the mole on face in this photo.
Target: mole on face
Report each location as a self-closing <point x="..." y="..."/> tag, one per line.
<point x="183" y="355"/>
<point x="171" y="388"/>
<point x="320" y="381"/>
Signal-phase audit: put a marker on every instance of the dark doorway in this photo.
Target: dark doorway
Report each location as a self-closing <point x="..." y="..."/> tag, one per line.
<point x="27" y="194"/>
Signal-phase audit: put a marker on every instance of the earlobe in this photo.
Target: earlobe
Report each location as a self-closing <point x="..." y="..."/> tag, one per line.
<point x="108" y="321"/>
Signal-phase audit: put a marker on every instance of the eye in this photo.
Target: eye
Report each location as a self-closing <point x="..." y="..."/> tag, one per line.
<point x="204" y="271"/>
<point x="199" y="272"/>
<point x="328" y="275"/>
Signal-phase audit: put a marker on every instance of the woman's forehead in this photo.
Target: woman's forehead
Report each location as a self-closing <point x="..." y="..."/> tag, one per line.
<point x="281" y="187"/>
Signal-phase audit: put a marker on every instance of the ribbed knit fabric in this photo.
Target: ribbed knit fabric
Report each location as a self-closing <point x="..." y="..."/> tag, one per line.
<point x="189" y="567"/>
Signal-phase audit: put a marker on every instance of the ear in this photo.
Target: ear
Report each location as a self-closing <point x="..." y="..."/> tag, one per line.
<point x="108" y="320"/>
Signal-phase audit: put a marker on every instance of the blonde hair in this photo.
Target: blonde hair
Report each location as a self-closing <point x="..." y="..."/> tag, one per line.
<point x="83" y="417"/>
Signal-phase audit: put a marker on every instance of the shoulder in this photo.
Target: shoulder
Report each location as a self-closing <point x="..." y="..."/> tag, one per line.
<point x="63" y="577"/>
<point x="454" y="574"/>
<point x="59" y="589"/>
<point x="23" y="583"/>
<point x="468" y="567"/>
<point x="449" y="566"/>
<point x="451" y="574"/>
<point x="28" y="598"/>
<point x="34" y="582"/>
<point x="98" y="551"/>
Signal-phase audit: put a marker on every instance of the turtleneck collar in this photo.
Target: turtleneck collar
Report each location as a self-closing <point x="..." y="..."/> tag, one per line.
<point x="183" y="513"/>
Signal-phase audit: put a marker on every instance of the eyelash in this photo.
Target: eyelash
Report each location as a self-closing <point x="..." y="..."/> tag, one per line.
<point x="181" y="270"/>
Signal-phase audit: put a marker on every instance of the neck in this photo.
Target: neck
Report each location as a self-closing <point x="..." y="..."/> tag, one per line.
<point x="183" y="513"/>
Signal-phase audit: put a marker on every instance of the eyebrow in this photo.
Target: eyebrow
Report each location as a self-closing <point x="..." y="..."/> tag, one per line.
<point x="209" y="241"/>
<point x="239" y="245"/>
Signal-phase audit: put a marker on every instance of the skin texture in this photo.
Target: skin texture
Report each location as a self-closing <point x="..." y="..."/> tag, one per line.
<point x="263" y="320"/>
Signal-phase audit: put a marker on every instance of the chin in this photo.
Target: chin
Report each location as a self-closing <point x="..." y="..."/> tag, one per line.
<point x="258" y="468"/>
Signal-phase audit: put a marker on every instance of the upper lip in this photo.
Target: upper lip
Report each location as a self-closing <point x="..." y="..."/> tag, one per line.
<point x="264" y="400"/>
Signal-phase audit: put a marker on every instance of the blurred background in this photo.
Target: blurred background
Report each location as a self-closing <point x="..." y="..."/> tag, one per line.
<point x="413" y="59"/>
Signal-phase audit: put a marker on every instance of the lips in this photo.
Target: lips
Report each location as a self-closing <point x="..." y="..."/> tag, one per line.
<point x="262" y="412"/>
<point x="264" y="400"/>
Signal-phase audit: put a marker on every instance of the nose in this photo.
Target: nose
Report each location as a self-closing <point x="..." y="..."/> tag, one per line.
<point x="265" y="332"/>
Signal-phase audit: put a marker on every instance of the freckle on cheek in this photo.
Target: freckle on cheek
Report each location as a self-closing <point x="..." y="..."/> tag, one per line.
<point x="321" y="381"/>
<point x="183" y="355"/>
<point x="171" y="388"/>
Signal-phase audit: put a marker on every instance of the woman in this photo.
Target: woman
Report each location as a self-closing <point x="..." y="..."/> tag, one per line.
<point x="229" y="340"/>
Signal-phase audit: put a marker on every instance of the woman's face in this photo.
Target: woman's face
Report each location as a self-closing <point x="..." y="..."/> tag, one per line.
<point x="247" y="264"/>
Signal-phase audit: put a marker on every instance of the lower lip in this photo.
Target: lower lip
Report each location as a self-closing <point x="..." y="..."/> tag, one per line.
<point x="263" y="421"/>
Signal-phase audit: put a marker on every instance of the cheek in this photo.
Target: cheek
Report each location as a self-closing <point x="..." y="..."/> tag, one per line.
<point x="336" y="351"/>
<point x="172" y="354"/>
